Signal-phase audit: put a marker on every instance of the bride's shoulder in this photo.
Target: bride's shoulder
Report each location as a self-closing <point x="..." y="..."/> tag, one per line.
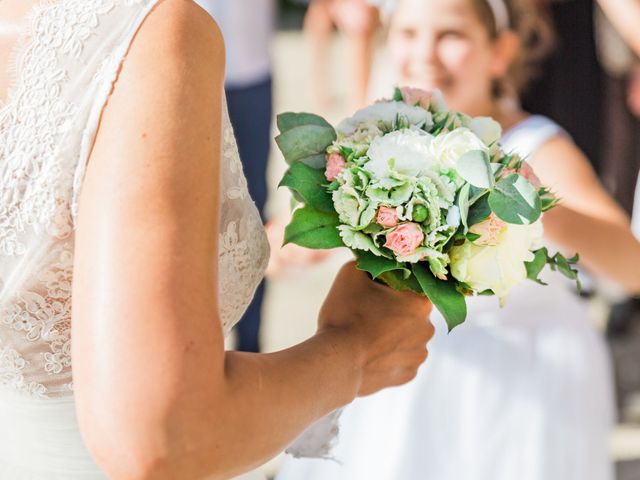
<point x="176" y="30"/>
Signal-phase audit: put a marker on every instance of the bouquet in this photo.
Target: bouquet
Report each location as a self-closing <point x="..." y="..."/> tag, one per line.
<point x="424" y="197"/>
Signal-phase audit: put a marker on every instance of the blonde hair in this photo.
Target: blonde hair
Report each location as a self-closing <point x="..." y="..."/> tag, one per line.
<point x="534" y="28"/>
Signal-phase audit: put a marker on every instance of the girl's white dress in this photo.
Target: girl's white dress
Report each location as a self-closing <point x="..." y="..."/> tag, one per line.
<point x="66" y="64"/>
<point x="520" y="393"/>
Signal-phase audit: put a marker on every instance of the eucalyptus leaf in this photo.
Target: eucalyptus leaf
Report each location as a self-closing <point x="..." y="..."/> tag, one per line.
<point x="308" y="183"/>
<point x="515" y="201"/>
<point x="313" y="229"/>
<point x="475" y="168"/>
<point x="463" y="205"/>
<point x="289" y="120"/>
<point x="476" y="193"/>
<point x="306" y="143"/>
<point x="444" y="295"/>
<point x="479" y="211"/>
<point x="496" y="168"/>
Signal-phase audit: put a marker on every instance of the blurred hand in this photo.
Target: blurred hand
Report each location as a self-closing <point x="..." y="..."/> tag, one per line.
<point x="354" y="17"/>
<point x="390" y="328"/>
<point x="285" y="261"/>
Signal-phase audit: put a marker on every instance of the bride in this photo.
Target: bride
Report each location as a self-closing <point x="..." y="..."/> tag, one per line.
<point x="121" y="189"/>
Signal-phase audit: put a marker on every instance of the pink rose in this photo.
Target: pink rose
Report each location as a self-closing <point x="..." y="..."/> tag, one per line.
<point x="489" y="230"/>
<point x="416" y="96"/>
<point x="335" y="165"/>
<point x="405" y="239"/>
<point x="525" y="171"/>
<point x="387" y="217"/>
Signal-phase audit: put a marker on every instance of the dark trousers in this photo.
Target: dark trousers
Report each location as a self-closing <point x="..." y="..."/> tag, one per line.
<point x="250" y="110"/>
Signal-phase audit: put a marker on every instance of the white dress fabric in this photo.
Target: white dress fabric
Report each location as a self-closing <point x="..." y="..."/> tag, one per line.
<point x="65" y="66"/>
<point x="516" y="393"/>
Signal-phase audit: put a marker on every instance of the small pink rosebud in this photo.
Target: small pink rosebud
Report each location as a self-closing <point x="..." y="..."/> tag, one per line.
<point x="489" y="230"/>
<point x="387" y="217"/>
<point x="405" y="239"/>
<point x="416" y="96"/>
<point x="525" y="171"/>
<point x="335" y="165"/>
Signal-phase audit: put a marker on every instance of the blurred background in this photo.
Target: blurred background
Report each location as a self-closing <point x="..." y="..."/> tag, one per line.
<point x="285" y="55"/>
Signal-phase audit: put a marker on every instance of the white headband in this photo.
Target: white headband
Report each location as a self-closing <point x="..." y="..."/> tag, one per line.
<point x="500" y="14"/>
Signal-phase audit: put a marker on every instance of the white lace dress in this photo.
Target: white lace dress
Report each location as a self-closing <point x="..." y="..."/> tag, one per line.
<point x="65" y="65"/>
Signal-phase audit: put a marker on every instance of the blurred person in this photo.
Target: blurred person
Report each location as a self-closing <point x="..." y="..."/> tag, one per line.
<point x="621" y="135"/>
<point x="358" y="21"/>
<point x="525" y="391"/>
<point x="247" y="27"/>
<point x="634" y="106"/>
<point x="122" y="195"/>
<point x="625" y="16"/>
<point x="570" y="86"/>
<point x="620" y="127"/>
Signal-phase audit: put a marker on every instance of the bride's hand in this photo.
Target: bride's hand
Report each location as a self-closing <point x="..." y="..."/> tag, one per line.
<point x="389" y="328"/>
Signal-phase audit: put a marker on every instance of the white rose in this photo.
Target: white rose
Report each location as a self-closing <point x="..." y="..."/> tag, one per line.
<point x="487" y="129"/>
<point x="386" y="112"/>
<point x="409" y="150"/>
<point x="497" y="267"/>
<point x="449" y="147"/>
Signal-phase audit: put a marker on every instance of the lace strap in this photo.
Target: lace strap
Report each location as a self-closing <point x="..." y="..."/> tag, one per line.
<point x="106" y="78"/>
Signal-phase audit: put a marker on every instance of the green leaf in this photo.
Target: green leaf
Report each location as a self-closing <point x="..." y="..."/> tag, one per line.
<point x="472" y="237"/>
<point x="476" y="194"/>
<point x="463" y="205"/>
<point x="308" y="183"/>
<point x="377" y="266"/>
<point x="534" y="267"/>
<point x="444" y="295"/>
<point x="479" y="211"/>
<point x="397" y="95"/>
<point x="306" y="143"/>
<point x="515" y="201"/>
<point x="475" y="168"/>
<point x="396" y="280"/>
<point x="313" y="229"/>
<point x="564" y="266"/>
<point x="289" y="120"/>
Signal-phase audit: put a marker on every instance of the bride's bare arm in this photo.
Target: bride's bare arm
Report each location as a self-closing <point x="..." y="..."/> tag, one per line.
<point x="157" y="396"/>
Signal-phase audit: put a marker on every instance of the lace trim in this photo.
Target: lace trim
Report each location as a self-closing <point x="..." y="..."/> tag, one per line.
<point x="243" y="259"/>
<point x="35" y="117"/>
<point x="243" y="247"/>
<point x="11" y="374"/>
<point x="46" y="318"/>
